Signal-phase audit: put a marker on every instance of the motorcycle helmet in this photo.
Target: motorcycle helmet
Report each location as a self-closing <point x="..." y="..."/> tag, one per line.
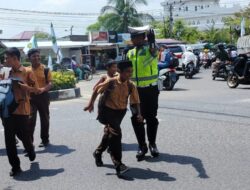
<point x="189" y="49"/>
<point x="221" y="46"/>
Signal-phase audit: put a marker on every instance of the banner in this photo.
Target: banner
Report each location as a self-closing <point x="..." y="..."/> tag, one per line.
<point x="50" y="64"/>
<point x="242" y="27"/>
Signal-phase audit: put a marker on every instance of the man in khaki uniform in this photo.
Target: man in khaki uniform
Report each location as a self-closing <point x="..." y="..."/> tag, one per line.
<point x="40" y="102"/>
<point x="17" y="123"/>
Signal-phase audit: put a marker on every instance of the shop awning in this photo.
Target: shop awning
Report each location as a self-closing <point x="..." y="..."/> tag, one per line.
<point x="47" y="44"/>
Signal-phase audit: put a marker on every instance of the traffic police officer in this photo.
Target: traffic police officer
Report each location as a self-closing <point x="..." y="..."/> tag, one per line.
<point x="145" y="76"/>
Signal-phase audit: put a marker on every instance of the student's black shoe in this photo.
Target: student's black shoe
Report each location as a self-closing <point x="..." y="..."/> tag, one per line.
<point x="98" y="159"/>
<point x="15" y="172"/>
<point x="32" y="155"/>
<point x="141" y="153"/>
<point x="44" y="144"/>
<point x="121" y="169"/>
<point x="153" y="150"/>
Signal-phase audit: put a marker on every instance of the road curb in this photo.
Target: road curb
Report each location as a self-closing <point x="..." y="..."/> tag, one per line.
<point x="65" y="94"/>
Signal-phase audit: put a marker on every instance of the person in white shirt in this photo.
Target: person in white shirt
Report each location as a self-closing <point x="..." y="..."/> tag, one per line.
<point x="189" y="57"/>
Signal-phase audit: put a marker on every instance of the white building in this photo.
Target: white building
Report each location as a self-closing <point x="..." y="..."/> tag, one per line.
<point x="200" y="13"/>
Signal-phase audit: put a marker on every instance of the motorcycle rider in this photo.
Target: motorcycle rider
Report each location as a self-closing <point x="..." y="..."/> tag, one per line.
<point x="166" y="59"/>
<point x="221" y="57"/>
<point x="189" y="57"/>
<point x="206" y="57"/>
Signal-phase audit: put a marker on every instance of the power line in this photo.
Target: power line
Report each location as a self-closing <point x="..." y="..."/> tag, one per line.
<point x="50" y="13"/>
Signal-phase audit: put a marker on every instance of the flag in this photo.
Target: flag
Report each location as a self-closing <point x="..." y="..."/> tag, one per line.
<point x="50" y="64"/>
<point x="55" y="47"/>
<point x="242" y="27"/>
<point x="31" y="44"/>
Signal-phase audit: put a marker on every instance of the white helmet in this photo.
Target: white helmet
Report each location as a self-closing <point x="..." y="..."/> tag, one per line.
<point x="189" y="49"/>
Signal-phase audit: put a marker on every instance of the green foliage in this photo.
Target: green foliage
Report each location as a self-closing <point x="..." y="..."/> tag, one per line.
<point x="162" y="31"/>
<point x="41" y="35"/>
<point x="26" y="64"/>
<point x="63" y="80"/>
<point x="191" y="34"/>
<point x="234" y="23"/>
<point x="119" y="14"/>
<point x="215" y="36"/>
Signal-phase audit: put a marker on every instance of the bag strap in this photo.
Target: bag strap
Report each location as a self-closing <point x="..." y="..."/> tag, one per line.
<point x="130" y="87"/>
<point x="46" y="73"/>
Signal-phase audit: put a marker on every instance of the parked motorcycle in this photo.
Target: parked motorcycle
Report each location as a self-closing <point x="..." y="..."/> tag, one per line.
<point x="237" y="76"/>
<point x="189" y="70"/>
<point x="87" y="72"/>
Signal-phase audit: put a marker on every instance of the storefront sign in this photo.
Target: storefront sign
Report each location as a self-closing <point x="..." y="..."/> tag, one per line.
<point x="99" y="36"/>
<point x="124" y="38"/>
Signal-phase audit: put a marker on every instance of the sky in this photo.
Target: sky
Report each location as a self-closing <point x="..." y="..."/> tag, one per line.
<point x="14" y="24"/>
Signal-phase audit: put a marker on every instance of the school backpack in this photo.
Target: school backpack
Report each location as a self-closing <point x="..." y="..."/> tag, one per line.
<point x="102" y="100"/>
<point x="46" y="74"/>
<point x="8" y="103"/>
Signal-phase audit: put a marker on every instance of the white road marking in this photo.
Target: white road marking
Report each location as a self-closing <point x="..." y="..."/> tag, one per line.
<point x="244" y="100"/>
<point x="51" y="108"/>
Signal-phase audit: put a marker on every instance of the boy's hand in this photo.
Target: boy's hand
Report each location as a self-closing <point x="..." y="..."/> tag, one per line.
<point x="140" y="118"/>
<point x="41" y="90"/>
<point x="89" y="108"/>
<point x="23" y="86"/>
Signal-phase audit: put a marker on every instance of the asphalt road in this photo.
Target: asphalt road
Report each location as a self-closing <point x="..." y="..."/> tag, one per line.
<point x="204" y="138"/>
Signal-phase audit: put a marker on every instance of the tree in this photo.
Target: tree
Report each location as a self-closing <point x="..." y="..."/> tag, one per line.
<point x="119" y="14"/>
<point x="181" y="31"/>
<point x="42" y="35"/>
<point x="234" y="23"/>
<point x="100" y="24"/>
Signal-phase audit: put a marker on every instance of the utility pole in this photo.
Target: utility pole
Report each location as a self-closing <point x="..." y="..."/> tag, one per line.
<point x="164" y="25"/>
<point x="171" y="20"/>
<point x="71" y="30"/>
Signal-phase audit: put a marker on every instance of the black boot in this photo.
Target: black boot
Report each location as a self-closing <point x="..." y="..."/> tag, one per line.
<point x="98" y="159"/>
<point x="142" y="151"/>
<point x="15" y="172"/>
<point x="153" y="150"/>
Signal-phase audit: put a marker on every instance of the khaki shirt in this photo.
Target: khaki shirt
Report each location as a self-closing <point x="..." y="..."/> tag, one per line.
<point x="104" y="78"/>
<point x="22" y="97"/>
<point x="119" y="94"/>
<point x="40" y="77"/>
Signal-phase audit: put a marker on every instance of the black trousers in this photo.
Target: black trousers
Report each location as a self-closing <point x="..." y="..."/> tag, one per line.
<point x="149" y="106"/>
<point x="16" y="125"/>
<point x="40" y="103"/>
<point x="113" y="135"/>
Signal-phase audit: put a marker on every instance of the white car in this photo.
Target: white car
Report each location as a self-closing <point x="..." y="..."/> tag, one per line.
<point x="178" y="50"/>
